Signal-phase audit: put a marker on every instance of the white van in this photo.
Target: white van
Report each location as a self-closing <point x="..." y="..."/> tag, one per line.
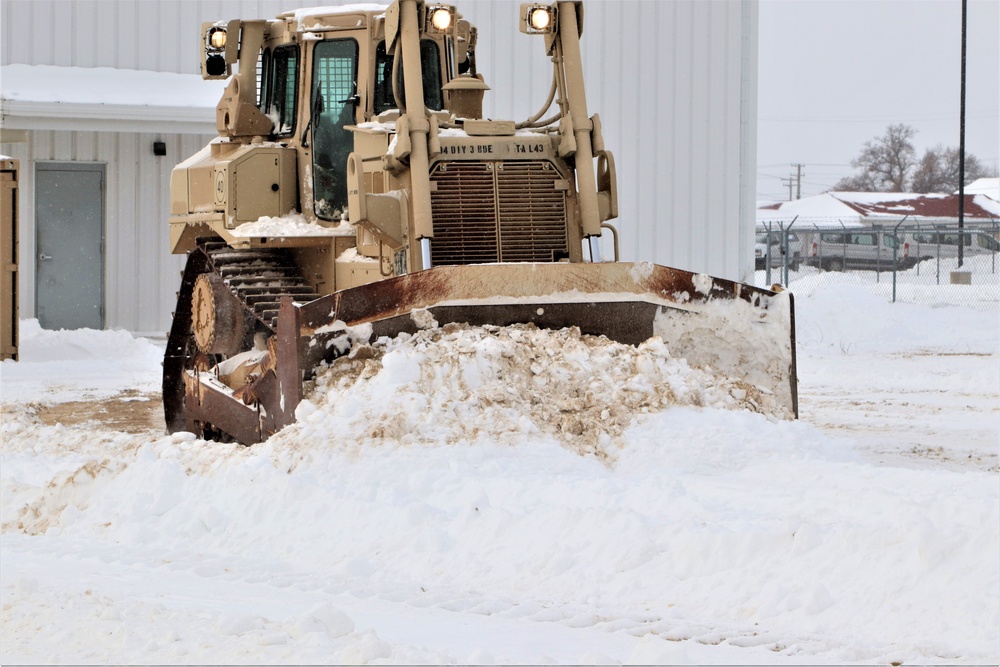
<point x="867" y="249"/>
<point x="943" y="244"/>
<point x="777" y="250"/>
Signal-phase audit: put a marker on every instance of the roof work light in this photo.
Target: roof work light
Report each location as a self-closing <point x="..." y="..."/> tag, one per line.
<point x="538" y="19"/>
<point x="220" y="48"/>
<point x="215" y="51"/>
<point x="217" y="38"/>
<point x="440" y="19"/>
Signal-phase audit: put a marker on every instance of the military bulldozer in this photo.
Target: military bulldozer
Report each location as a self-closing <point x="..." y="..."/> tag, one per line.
<point x="356" y="191"/>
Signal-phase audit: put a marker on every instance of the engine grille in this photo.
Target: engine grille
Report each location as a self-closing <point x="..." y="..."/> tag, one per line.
<point x="497" y="212"/>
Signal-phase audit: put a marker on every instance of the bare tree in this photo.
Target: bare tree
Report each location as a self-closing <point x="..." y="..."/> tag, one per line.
<point x="938" y="170"/>
<point x="885" y="163"/>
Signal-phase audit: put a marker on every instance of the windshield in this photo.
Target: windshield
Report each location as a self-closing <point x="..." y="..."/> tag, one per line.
<point x="430" y="61"/>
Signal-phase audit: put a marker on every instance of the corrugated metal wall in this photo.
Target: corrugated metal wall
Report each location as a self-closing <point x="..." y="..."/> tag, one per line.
<point x="675" y="86"/>
<point x="674" y="83"/>
<point x="157" y="35"/>
<point x="141" y="277"/>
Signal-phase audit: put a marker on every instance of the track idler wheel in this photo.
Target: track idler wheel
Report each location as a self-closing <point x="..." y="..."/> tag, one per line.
<point x="216" y="316"/>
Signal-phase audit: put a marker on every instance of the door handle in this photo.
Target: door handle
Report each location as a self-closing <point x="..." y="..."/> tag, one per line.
<point x="42" y="256"/>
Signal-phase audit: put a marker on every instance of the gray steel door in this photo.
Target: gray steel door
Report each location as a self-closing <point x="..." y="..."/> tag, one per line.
<point x="69" y="227"/>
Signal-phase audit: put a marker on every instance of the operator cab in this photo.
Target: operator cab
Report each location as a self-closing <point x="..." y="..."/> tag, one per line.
<point x="336" y="102"/>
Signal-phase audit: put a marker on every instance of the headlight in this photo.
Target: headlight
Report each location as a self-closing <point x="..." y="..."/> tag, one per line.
<point x="538" y="19"/>
<point x="217" y="38"/>
<point x="440" y="18"/>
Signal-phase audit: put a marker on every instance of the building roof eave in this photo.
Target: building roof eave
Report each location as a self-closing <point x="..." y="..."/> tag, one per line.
<point x="25" y="115"/>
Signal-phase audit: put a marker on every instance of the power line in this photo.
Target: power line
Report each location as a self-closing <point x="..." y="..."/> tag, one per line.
<point x="815" y="164"/>
<point x="861" y="119"/>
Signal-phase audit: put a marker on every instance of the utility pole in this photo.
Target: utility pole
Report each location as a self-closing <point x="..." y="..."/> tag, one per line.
<point x="789" y="182"/>
<point x="961" y="147"/>
<point x="798" y="181"/>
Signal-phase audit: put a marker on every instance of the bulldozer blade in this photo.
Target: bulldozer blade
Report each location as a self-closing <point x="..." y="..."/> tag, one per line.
<point x="742" y="331"/>
<point x="739" y="330"/>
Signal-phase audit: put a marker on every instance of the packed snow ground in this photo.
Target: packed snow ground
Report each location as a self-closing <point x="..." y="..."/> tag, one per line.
<point x="438" y="502"/>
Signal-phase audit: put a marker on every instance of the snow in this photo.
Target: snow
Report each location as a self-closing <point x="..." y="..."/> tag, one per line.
<point x="108" y="86"/>
<point x="988" y="201"/>
<point x="819" y="206"/>
<point x="291" y="225"/>
<point x="310" y="19"/>
<point x="352" y="255"/>
<point x="509" y="495"/>
<point x="989" y="187"/>
<point x="851" y="209"/>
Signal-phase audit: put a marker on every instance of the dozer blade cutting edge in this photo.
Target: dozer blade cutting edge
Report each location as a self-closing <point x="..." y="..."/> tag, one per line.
<point x="739" y="330"/>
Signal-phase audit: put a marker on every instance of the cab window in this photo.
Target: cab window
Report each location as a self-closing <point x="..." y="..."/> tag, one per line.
<point x="987" y="242"/>
<point x="333" y="102"/>
<point x="279" y="87"/>
<point x="430" y="62"/>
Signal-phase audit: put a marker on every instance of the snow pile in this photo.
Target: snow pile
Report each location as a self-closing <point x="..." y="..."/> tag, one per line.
<point x="81" y="363"/>
<point x="502" y="384"/>
<point x="509" y="495"/>
<point x="43" y="345"/>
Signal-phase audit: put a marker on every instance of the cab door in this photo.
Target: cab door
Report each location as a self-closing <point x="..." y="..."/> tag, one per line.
<point x="334" y="101"/>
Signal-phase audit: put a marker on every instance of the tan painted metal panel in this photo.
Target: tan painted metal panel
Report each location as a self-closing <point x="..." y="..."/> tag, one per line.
<point x="9" y="314"/>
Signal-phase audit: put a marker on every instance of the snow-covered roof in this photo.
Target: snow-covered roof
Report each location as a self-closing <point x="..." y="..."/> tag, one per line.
<point x="984" y="186"/>
<point x="824" y="206"/>
<point x="854" y="208"/>
<point x="48" y="97"/>
<point x="897" y="204"/>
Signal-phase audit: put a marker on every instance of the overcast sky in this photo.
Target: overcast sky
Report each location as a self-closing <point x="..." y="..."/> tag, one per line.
<point x="834" y="74"/>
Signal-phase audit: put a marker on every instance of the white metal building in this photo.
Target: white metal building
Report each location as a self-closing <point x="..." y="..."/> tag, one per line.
<point x="674" y="83"/>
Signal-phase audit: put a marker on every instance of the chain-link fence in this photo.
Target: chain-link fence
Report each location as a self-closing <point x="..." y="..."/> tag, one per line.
<point x="930" y="261"/>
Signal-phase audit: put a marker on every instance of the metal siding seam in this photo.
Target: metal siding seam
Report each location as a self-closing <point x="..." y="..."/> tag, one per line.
<point x="748" y="133"/>
<point x="645" y="179"/>
<point x="684" y="127"/>
<point x="654" y="237"/>
<point x="731" y="208"/>
<point x="709" y="226"/>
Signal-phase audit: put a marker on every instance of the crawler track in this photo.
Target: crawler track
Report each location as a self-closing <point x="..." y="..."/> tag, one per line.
<point x="259" y="279"/>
